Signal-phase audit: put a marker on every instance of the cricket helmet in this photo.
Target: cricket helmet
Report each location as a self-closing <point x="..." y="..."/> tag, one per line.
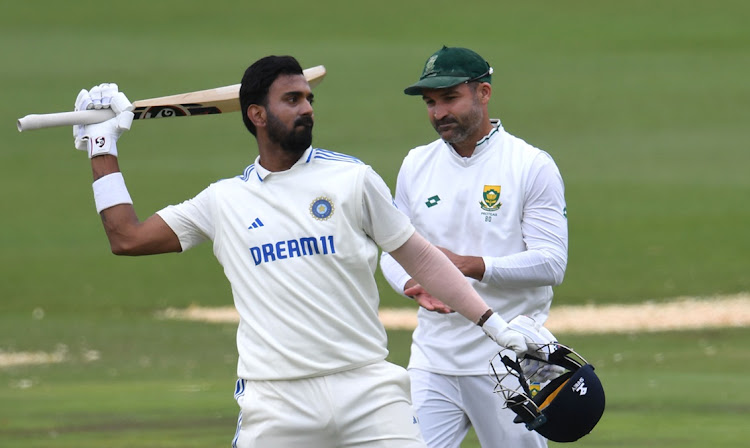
<point x="566" y="408"/>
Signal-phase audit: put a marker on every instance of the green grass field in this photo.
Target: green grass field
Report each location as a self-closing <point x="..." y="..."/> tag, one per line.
<point x="644" y="106"/>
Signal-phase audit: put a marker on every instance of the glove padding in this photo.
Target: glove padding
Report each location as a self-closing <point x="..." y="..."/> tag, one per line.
<point x="101" y="138"/>
<point x="540" y="344"/>
<point x="538" y="338"/>
<point x="500" y="331"/>
<point x="525" y="337"/>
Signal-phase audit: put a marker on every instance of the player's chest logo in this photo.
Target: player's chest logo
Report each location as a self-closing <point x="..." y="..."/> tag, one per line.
<point x="432" y="201"/>
<point x="321" y="208"/>
<point x="490" y="198"/>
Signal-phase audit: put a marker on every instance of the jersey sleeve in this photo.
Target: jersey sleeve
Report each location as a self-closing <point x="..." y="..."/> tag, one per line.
<point x="394" y="274"/>
<point x="191" y="220"/>
<point x="381" y="219"/>
<point x="545" y="233"/>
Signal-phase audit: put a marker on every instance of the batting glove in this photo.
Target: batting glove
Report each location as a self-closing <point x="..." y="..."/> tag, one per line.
<point x="540" y="344"/>
<point x="101" y="138"/>
<point x="500" y="331"/>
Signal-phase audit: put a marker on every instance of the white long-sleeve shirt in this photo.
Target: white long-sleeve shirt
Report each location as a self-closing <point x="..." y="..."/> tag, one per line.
<point x="506" y="204"/>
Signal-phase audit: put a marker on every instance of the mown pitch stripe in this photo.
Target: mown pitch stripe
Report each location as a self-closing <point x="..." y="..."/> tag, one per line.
<point x="682" y="313"/>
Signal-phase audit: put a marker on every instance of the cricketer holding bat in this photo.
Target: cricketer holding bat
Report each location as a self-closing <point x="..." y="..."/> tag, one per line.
<point x="495" y="206"/>
<point x="297" y="233"/>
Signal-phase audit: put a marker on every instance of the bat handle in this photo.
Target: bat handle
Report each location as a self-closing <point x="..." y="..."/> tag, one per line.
<point x="40" y="121"/>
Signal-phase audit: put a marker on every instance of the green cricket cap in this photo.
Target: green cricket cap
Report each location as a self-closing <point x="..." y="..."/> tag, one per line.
<point x="449" y="67"/>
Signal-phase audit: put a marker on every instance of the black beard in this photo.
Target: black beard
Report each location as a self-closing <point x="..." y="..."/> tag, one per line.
<point x="293" y="141"/>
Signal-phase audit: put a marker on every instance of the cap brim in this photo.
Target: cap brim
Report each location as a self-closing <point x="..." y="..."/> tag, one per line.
<point x="437" y="82"/>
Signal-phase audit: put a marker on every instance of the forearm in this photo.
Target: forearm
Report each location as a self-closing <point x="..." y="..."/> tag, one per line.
<point x="119" y="219"/>
<point x="432" y="269"/>
<point x="126" y="234"/>
<point x="103" y="165"/>
<point x="470" y="266"/>
<point x="525" y="269"/>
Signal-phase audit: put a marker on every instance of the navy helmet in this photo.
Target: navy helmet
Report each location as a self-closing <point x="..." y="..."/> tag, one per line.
<point x="567" y="407"/>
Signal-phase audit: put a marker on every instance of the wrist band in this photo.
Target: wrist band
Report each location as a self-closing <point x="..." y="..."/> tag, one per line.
<point x="110" y="190"/>
<point x="484" y="317"/>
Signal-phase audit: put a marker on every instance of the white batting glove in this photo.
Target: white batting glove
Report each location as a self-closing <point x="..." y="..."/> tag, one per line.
<point x="540" y="343"/>
<point x="101" y="138"/>
<point x="537" y="337"/>
<point x="522" y="335"/>
<point x="500" y="331"/>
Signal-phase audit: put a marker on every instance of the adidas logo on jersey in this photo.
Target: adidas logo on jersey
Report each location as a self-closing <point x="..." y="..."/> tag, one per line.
<point x="257" y="223"/>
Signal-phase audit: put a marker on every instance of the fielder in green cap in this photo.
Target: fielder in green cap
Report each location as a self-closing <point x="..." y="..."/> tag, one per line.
<point x="448" y="67"/>
<point x="495" y="205"/>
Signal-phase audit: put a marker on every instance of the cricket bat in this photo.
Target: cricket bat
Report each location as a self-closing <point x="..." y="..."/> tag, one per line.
<point x="203" y="102"/>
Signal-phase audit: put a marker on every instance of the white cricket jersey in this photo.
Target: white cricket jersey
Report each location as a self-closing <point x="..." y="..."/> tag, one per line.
<point x="299" y="248"/>
<point x="504" y="203"/>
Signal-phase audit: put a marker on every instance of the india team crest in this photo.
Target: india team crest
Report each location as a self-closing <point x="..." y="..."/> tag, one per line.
<point x="491" y="198"/>
<point x="321" y="208"/>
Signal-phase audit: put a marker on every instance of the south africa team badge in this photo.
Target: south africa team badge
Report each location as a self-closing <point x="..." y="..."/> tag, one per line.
<point x="534" y="388"/>
<point x="321" y="208"/>
<point x="490" y="198"/>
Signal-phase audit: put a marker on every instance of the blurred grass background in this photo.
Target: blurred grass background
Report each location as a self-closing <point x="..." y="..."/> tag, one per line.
<point x="644" y="106"/>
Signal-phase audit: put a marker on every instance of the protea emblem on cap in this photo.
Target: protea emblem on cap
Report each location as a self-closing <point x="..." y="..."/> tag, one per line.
<point x="491" y="198"/>
<point x="429" y="67"/>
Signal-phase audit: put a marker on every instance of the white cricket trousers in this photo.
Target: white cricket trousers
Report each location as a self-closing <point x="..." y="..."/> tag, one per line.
<point x="365" y="407"/>
<point x="447" y="406"/>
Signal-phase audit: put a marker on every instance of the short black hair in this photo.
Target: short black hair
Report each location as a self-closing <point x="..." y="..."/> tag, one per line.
<point x="258" y="79"/>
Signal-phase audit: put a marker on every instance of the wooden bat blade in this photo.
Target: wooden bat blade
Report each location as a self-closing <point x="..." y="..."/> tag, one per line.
<point x="202" y="102"/>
